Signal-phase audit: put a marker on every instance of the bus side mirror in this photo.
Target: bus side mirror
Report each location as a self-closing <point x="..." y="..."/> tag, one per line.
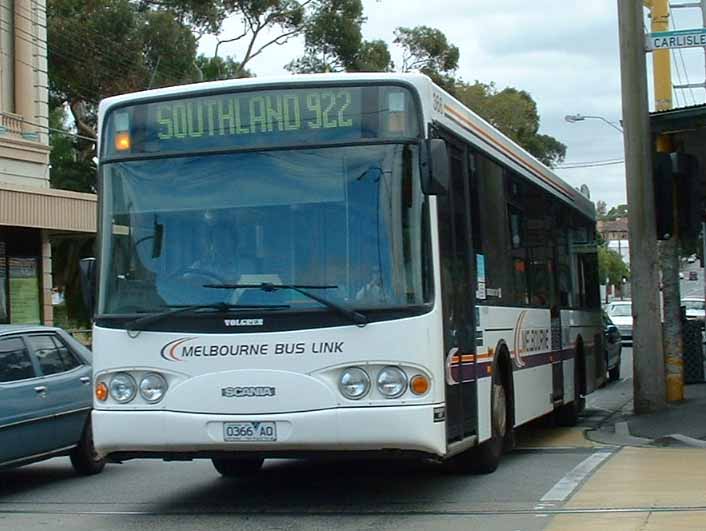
<point x="435" y="167"/>
<point x="87" y="267"/>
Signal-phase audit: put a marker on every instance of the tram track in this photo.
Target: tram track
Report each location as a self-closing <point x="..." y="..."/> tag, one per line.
<point x="358" y="513"/>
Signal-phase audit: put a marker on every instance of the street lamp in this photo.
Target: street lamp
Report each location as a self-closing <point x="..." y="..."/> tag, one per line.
<point x="573" y="118"/>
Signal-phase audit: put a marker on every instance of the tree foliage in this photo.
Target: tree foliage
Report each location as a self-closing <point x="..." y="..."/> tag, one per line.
<point x="334" y="41"/>
<point x="514" y="112"/>
<point x="618" y="211"/>
<point x="106" y="47"/>
<point x="218" y="68"/>
<point x="427" y="50"/>
<point x="601" y="209"/>
<point x="611" y="266"/>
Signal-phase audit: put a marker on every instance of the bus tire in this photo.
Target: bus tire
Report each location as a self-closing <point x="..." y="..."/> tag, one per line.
<point x="235" y="467"/>
<point x="485" y="458"/>
<point x="568" y="414"/>
<point x="84" y="458"/>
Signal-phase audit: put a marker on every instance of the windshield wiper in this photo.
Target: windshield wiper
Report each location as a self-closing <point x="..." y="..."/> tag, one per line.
<point x="354" y="316"/>
<point x="141" y="322"/>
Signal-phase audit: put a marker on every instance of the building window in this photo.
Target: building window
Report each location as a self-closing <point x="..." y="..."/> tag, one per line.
<point x="20" y="275"/>
<point x="4" y="310"/>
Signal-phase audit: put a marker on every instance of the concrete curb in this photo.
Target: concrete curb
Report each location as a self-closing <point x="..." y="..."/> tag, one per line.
<point x="619" y="437"/>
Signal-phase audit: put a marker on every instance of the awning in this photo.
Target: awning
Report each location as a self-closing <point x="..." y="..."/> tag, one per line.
<point x="46" y="208"/>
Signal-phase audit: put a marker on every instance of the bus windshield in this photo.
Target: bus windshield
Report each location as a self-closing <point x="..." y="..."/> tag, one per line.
<point x="349" y="220"/>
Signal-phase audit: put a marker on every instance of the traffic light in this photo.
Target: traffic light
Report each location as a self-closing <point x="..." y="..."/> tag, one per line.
<point x="678" y="173"/>
<point x="664" y="195"/>
<point x="691" y="201"/>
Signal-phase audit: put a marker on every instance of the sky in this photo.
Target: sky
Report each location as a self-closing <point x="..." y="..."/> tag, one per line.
<point x="563" y="52"/>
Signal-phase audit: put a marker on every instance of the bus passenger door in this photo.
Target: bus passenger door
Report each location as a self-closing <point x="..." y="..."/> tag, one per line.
<point x="458" y="299"/>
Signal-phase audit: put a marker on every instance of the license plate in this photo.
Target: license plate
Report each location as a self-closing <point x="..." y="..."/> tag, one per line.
<point x="249" y="431"/>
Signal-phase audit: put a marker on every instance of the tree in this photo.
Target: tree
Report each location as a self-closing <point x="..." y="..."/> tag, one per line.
<point x="514" y="112"/>
<point x="601" y="209"/>
<point x="427" y="50"/>
<point x="334" y="41"/>
<point x="618" y="211"/>
<point x="611" y="266"/>
<point x="217" y="68"/>
<point x="107" y="47"/>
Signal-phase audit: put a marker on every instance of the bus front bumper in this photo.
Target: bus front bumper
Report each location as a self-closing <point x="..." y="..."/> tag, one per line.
<point x="121" y="435"/>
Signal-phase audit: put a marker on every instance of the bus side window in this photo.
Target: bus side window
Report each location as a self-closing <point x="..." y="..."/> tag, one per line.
<point x="491" y="237"/>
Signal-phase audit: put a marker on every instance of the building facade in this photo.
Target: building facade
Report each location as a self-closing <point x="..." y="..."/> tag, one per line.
<point x="31" y="212"/>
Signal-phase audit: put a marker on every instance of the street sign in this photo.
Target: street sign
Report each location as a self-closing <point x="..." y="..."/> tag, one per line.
<point x="691" y="38"/>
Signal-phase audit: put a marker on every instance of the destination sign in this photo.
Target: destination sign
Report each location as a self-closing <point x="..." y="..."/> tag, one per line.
<point x="263" y="118"/>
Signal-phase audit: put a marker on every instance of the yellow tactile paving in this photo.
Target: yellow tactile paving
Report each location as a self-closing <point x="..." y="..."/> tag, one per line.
<point x="647" y="477"/>
<point x="629" y="522"/>
<point x="553" y="438"/>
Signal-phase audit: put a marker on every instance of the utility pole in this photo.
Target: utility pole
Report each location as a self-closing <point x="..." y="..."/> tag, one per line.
<point x="668" y="247"/>
<point x="648" y="362"/>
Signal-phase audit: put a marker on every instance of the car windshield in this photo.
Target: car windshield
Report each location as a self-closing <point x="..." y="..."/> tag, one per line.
<point x="693" y="305"/>
<point x="347" y="221"/>
<point x="621" y="310"/>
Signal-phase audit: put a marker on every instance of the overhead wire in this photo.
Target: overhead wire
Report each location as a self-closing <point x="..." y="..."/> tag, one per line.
<point x="99" y="44"/>
<point x="681" y="57"/>
<point x="589" y="164"/>
<point x="113" y="61"/>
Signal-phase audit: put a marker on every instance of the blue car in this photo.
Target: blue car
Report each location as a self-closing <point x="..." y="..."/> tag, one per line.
<point x="45" y="398"/>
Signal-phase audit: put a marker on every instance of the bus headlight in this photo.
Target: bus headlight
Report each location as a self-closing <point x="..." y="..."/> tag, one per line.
<point x="122" y="387"/>
<point x="392" y="382"/>
<point x="354" y="383"/>
<point x="152" y="387"/>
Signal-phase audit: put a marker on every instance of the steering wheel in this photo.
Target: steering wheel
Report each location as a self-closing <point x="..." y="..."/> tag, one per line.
<point x="195" y="271"/>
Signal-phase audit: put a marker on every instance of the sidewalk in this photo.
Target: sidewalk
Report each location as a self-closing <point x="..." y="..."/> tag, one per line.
<point x="682" y="424"/>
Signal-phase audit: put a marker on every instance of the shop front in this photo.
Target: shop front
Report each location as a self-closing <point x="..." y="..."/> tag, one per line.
<point x="29" y="219"/>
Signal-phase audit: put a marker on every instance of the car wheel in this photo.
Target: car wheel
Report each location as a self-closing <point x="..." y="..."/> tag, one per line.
<point x="84" y="457"/>
<point x="247" y="466"/>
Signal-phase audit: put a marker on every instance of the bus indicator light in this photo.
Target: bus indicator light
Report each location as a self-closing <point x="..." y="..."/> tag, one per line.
<point x="419" y="384"/>
<point x="102" y="392"/>
<point x="122" y="141"/>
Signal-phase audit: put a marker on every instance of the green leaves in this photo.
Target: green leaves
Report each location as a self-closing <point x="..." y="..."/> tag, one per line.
<point x="514" y="112"/>
<point x="427" y="50"/>
<point x="611" y="266"/>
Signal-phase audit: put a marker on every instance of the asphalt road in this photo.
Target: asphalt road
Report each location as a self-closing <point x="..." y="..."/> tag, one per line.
<point x="151" y="495"/>
<point x="692" y="288"/>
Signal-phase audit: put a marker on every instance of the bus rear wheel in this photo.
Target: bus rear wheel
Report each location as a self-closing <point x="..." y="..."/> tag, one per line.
<point x="234" y="467"/>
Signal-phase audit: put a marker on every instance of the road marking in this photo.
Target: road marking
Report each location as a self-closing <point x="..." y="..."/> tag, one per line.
<point x="566" y="485"/>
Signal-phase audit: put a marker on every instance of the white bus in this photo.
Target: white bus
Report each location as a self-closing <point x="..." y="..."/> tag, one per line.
<point x="324" y="264"/>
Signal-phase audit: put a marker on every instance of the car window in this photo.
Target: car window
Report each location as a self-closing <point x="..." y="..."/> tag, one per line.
<point x="69" y="359"/>
<point x="621" y="310"/>
<point x="53" y="356"/>
<point x="15" y="363"/>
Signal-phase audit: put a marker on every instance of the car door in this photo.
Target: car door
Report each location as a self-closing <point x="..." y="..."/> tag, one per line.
<point x="25" y="420"/>
<point x="68" y="381"/>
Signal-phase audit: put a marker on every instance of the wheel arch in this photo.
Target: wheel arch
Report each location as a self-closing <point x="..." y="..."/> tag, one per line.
<point x="502" y="365"/>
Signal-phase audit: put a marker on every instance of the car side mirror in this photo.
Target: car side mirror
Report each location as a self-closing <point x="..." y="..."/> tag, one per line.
<point x="87" y="267"/>
<point x="435" y="167"/>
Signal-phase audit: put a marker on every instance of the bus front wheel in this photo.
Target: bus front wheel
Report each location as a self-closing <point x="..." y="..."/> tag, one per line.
<point x="237" y="466"/>
<point x="485" y="458"/>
